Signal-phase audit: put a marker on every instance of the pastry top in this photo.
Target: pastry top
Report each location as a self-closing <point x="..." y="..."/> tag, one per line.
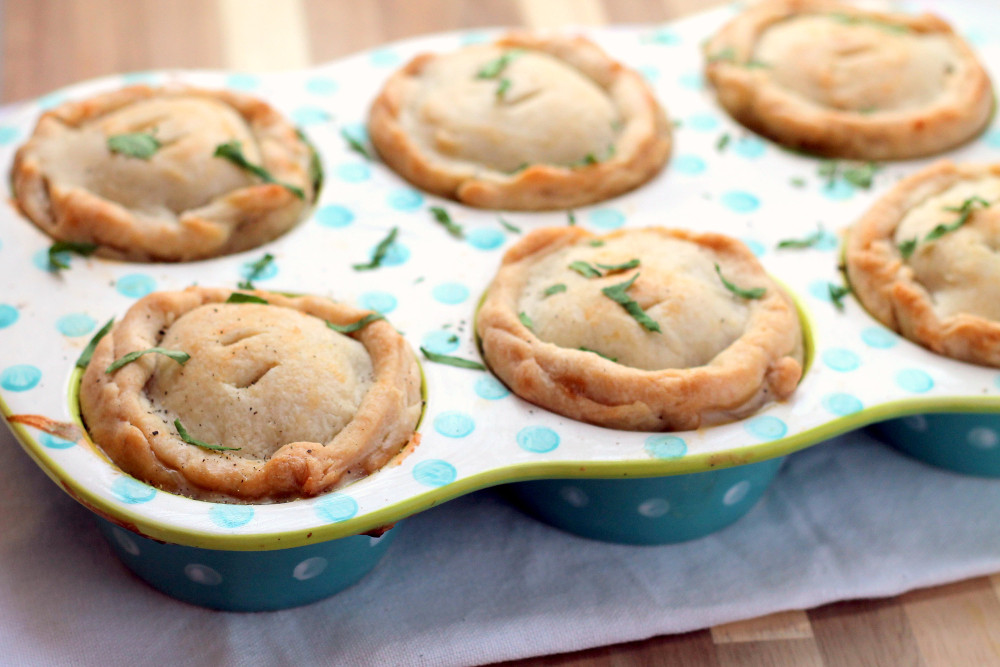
<point x="647" y="329"/>
<point x="528" y="122"/>
<point x="287" y="406"/>
<point x="841" y="81"/>
<point x="923" y="260"/>
<point x="136" y="171"/>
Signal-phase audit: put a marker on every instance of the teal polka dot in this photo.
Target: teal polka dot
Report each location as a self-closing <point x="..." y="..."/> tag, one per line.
<point x="52" y="442"/>
<point x="335" y="216"/>
<point x="485" y="238"/>
<point x="741" y="202"/>
<point x="434" y="472"/>
<point x="665" y="446"/>
<point x="132" y="491"/>
<point x="358" y="131"/>
<point x="454" y="424"/>
<point x="336" y="507"/>
<point x="756" y="247"/>
<point x="384" y="58"/>
<point x="820" y="289"/>
<point x="607" y="218"/>
<point x="649" y="72"/>
<point x="992" y="138"/>
<point x="692" y="81"/>
<point x="51" y="100"/>
<point x="841" y="360"/>
<point x="997" y="382"/>
<point x="269" y="271"/>
<point x="766" y="427"/>
<point x="662" y="37"/>
<point x="689" y="165"/>
<point x="353" y="172"/>
<point x="131" y="78"/>
<point x="450" y="293"/>
<point x="242" y="81"/>
<point x="8" y="134"/>
<point x="135" y="285"/>
<point x="321" y="85"/>
<point x="382" y="302"/>
<point x="441" y="342"/>
<point x="842" y="404"/>
<point x="702" y="122"/>
<point x="75" y="324"/>
<point x="406" y="200"/>
<point x="838" y="190"/>
<point x="21" y="377"/>
<point x="914" y="381"/>
<point x="231" y="516"/>
<point x="491" y="389"/>
<point x="879" y="338"/>
<point x="537" y="439"/>
<point x="473" y="38"/>
<point x="41" y="259"/>
<point x="827" y="241"/>
<point x="310" y="116"/>
<point x="8" y="315"/>
<point x="749" y="147"/>
<point x="976" y="37"/>
<point x="396" y="254"/>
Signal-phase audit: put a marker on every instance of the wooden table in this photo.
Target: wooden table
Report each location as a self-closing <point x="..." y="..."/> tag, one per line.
<point x="52" y="43"/>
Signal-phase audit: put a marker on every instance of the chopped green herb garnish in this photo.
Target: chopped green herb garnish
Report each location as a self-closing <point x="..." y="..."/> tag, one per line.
<point x="380" y="251"/>
<point x="186" y="437"/>
<point x="355" y="144"/>
<point x="829" y="170"/>
<point x="140" y="145"/>
<point x="615" y="268"/>
<point x="240" y="297"/>
<point x="315" y="164"/>
<point x="452" y="361"/>
<point x="619" y="294"/>
<point x="596" y="243"/>
<point x="233" y="151"/>
<point x="751" y="293"/>
<point x="837" y="294"/>
<point x="525" y="320"/>
<point x="756" y="64"/>
<point x="964" y="211"/>
<point x="907" y="247"/>
<point x="502" y="88"/>
<point x="256" y="269"/>
<point x="176" y="355"/>
<point x="356" y="326"/>
<point x="83" y="249"/>
<point x="861" y="176"/>
<point x="807" y="242"/>
<point x="727" y="55"/>
<point x="88" y="351"/>
<point x="495" y="67"/>
<point x="849" y="19"/>
<point x="570" y="218"/>
<point x="585" y="269"/>
<point x="603" y="356"/>
<point x="870" y="109"/>
<point x="509" y="227"/>
<point x="442" y="217"/>
<point x="723" y="141"/>
<point x="519" y="168"/>
<point x="554" y="289"/>
<point x="798" y="182"/>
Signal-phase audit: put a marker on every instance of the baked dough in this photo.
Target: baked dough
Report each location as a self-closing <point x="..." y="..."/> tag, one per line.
<point x="310" y="409"/>
<point x="835" y="80"/>
<point x="946" y="294"/>
<point x="717" y="357"/>
<point x="529" y="123"/>
<point x="182" y="203"/>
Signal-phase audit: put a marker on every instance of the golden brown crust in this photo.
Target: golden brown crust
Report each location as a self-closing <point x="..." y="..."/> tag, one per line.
<point x="140" y="438"/>
<point x="763" y="363"/>
<point x="892" y="287"/>
<point x="749" y="91"/>
<point x="640" y="149"/>
<point x="222" y="222"/>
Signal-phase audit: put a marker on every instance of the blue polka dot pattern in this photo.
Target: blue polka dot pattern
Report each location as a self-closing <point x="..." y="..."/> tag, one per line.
<point x="148" y="78"/>
<point x="135" y="285"/>
<point x="8" y="315"/>
<point x="997" y="382"/>
<point x="740" y="202"/>
<point x="269" y="271"/>
<point x="766" y="427"/>
<point x="450" y="293"/>
<point x="357" y="131"/>
<point x="46" y="102"/>
<point x="993" y="138"/>
<point x="607" y="218"/>
<point x="473" y="38"/>
<point x="242" y="81"/>
<point x="132" y="491"/>
<point x="663" y="37"/>
<point x="75" y="324"/>
<point x="537" y="439"/>
<point x="334" y="216"/>
<point x="649" y="72"/>
<point x="841" y="360"/>
<point x="490" y="388"/>
<point x="914" y="381"/>
<point x="485" y="238"/>
<point x="454" y="424"/>
<point x="382" y="302"/>
<point x="336" y="507"/>
<point x="434" y="472"/>
<point x="353" y="172"/>
<point x="320" y="85"/>
<point x="691" y="81"/>
<point x="8" y="134"/>
<point x="842" y="404"/>
<point x="820" y="289"/>
<point x="52" y="442"/>
<point x="689" y="165"/>
<point x="406" y="200"/>
<point x="21" y="377"/>
<point x="441" y="342"/>
<point x="304" y="116"/>
<point x="231" y="516"/>
<point x="41" y="259"/>
<point x="879" y="338"/>
<point x="749" y="147"/>
<point x="827" y="241"/>
<point x="702" y="122"/>
<point x="838" y="190"/>
<point x="384" y="58"/>
<point x="756" y="247"/>
<point x="665" y="446"/>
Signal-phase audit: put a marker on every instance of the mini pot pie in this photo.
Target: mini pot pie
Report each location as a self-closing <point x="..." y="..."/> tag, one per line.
<point x="832" y="79"/>
<point x="923" y="260"/>
<point x="280" y="404"/>
<point x="528" y="122"/>
<point x="165" y="174"/>
<point x="647" y="329"/>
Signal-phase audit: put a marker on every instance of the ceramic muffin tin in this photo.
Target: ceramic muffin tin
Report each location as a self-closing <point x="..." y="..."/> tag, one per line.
<point x="474" y="432"/>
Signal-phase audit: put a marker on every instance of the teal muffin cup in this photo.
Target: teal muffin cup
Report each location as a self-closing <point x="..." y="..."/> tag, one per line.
<point x="963" y="442"/>
<point x="651" y="510"/>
